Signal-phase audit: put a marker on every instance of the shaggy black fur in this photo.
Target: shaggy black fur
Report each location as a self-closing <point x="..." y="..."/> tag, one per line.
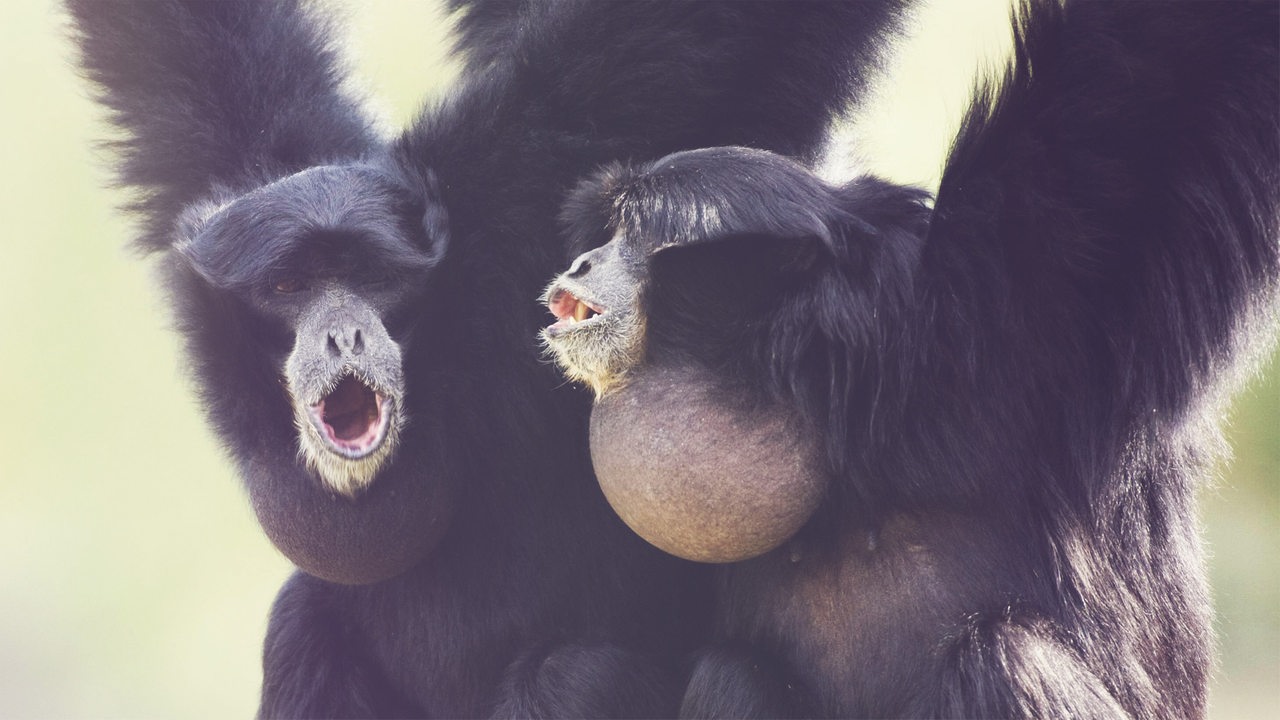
<point x="497" y="579"/>
<point x="1019" y="402"/>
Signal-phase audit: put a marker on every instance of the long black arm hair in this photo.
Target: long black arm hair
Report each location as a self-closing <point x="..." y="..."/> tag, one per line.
<point x="216" y="94"/>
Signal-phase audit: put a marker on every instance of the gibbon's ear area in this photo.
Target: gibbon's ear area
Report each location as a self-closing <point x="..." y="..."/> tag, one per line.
<point x="747" y="254"/>
<point x="711" y="289"/>
<point x="434" y="219"/>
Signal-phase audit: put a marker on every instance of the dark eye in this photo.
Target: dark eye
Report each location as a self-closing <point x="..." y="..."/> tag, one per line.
<point x="285" y="286"/>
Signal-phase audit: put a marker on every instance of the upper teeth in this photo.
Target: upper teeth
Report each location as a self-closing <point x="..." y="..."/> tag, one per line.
<point x="580" y="311"/>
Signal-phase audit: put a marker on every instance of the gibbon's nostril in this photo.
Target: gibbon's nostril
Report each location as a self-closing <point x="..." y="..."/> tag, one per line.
<point x="579" y="267"/>
<point x="341" y="343"/>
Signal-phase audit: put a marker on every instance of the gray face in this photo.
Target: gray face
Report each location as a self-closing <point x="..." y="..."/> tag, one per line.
<point x="345" y="378"/>
<point x="599" y="330"/>
<point x="324" y="254"/>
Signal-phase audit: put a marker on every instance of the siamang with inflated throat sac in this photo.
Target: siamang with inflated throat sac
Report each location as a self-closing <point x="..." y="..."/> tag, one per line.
<point x="949" y="454"/>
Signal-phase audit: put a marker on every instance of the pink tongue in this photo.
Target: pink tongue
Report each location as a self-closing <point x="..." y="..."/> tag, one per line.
<point x="351" y="410"/>
<point x="563" y="305"/>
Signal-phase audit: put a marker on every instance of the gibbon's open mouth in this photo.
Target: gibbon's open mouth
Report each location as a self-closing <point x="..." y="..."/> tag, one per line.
<point x="570" y="311"/>
<point x="352" y="418"/>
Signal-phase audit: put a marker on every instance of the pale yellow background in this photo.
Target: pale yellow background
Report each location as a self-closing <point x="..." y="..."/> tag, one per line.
<point x="134" y="581"/>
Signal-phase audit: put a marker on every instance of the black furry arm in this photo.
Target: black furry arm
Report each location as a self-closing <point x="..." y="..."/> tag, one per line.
<point x="587" y="82"/>
<point x="486" y="28"/>
<point x="1105" y="243"/>
<point x="215" y="93"/>
<point x="1110" y="219"/>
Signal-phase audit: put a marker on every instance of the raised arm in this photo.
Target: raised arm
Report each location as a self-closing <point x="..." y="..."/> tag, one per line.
<point x="1108" y="220"/>
<point x="231" y="93"/>
<point x="1103" y="248"/>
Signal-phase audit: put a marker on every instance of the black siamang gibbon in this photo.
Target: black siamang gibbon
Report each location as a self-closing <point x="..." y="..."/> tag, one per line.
<point x="953" y="451"/>
<point x="356" y="312"/>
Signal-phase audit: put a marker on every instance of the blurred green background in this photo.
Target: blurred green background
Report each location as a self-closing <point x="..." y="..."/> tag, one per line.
<point x="134" y="581"/>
